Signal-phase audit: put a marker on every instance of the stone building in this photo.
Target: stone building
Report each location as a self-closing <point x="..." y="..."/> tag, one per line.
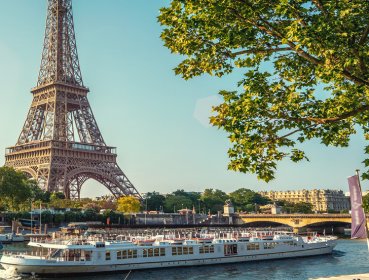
<point x="322" y="200"/>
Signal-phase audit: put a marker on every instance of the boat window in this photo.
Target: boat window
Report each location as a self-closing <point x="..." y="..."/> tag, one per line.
<point x="87" y="255"/>
<point x="148" y="253"/>
<point x="156" y="252"/>
<point x="162" y="251"/>
<point x="182" y="251"/>
<point x="107" y="255"/>
<point x="270" y="245"/>
<point x="190" y="250"/>
<point x="71" y="255"/>
<point x="230" y="249"/>
<point x="253" y="246"/>
<point x="206" y="249"/>
<point x="126" y="254"/>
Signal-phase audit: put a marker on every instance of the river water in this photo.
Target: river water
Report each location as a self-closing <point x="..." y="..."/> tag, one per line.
<point x="349" y="257"/>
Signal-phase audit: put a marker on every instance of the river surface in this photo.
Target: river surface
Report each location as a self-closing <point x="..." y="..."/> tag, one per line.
<point x="349" y="257"/>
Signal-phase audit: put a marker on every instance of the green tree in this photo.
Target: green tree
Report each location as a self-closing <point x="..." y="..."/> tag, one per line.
<point x="71" y="216"/>
<point x="214" y="199"/>
<point x="245" y="199"/>
<point x="57" y="195"/>
<point x="90" y="214"/>
<point x="14" y="190"/>
<point x="299" y="207"/>
<point x="114" y="217"/>
<point x="174" y="203"/>
<point x="36" y="193"/>
<point x="46" y="217"/>
<point x="303" y="207"/>
<point x="193" y="196"/>
<point x="154" y="201"/>
<point x="58" y="218"/>
<point x="305" y="66"/>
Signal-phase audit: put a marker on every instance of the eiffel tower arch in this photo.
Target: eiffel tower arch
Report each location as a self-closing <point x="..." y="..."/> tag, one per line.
<point x="60" y="144"/>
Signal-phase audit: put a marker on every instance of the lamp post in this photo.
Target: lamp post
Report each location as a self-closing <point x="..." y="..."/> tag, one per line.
<point x="40" y="218"/>
<point x="31" y="216"/>
<point x="146" y="211"/>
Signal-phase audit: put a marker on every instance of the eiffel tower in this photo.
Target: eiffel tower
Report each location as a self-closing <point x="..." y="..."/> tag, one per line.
<point x="61" y="145"/>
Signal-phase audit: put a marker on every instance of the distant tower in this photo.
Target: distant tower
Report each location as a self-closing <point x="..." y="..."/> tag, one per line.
<point x="229" y="211"/>
<point x="228" y="208"/>
<point x="60" y="144"/>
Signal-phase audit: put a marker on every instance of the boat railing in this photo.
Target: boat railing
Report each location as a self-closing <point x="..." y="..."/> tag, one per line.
<point x="42" y="256"/>
<point x="61" y="242"/>
<point x="66" y="240"/>
<point x="37" y="254"/>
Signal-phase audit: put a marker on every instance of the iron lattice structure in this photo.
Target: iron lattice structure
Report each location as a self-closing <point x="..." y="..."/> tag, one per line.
<point x="60" y="144"/>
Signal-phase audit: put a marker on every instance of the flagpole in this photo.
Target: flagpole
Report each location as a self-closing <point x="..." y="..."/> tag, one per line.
<point x="41" y="221"/>
<point x="361" y="192"/>
<point x="31" y="216"/>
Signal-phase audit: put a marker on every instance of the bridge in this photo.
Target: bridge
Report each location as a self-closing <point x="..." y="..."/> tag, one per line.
<point x="297" y="221"/>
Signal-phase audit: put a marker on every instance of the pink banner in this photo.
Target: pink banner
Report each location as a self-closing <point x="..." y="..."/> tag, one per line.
<point x="358" y="229"/>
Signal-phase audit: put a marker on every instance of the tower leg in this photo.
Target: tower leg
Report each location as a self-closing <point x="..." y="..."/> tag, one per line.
<point x="75" y="186"/>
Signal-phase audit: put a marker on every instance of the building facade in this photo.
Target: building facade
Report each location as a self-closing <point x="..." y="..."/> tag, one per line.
<point x="322" y="200"/>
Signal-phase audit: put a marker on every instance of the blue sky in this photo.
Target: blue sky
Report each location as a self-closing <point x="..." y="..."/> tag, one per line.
<point x="157" y="120"/>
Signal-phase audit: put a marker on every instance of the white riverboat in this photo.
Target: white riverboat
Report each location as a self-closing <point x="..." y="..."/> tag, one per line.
<point x="92" y="255"/>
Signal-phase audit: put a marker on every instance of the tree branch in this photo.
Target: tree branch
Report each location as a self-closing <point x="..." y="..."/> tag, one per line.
<point x="364" y="36"/>
<point x="251" y="51"/>
<point x="319" y="5"/>
<point x="320" y="121"/>
<point x="272" y="31"/>
<point x="362" y="65"/>
<point x="296" y="130"/>
<point x="332" y="119"/>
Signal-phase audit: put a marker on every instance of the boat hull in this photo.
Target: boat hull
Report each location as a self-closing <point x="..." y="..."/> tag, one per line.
<point x="22" y="266"/>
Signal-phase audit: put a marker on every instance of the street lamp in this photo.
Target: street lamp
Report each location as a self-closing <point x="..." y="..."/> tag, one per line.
<point x="31" y="216"/>
<point x="146" y="211"/>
